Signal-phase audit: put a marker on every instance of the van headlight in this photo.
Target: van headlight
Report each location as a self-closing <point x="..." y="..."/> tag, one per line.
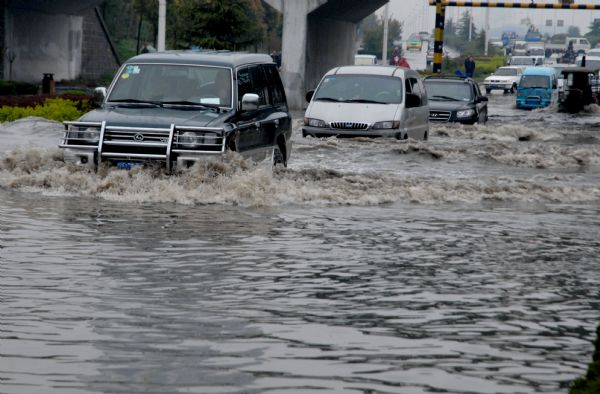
<point x="314" y="122"/>
<point x="465" y="113"/>
<point x="388" y="124"/>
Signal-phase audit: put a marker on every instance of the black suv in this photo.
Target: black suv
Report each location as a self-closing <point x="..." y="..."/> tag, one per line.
<point x="176" y="108"/>
<point x="455" y="99"/>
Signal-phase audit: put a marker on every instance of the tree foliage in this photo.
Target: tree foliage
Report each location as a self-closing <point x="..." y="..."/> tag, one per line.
<point x="211" y="24"/>
<point x="371" y="31"/>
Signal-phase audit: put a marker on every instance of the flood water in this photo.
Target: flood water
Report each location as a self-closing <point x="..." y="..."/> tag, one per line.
<point x="464" y="264"/>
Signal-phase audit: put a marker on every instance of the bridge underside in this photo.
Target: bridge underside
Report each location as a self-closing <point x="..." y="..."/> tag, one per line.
<point x="317" y="36"/>
<point x="62" y="37"/>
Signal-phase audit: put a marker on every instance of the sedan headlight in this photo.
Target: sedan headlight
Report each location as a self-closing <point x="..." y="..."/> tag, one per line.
<point x="465" y="113"/>
<point x="314" y="122"/>
<point x="389" y="124"/>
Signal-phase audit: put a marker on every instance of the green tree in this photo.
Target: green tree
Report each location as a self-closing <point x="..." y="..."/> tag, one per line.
<point x="219" y="24"/>
<point x="594" y="34"/>
<point x="372" y="36"/>
<point x="573" y="31"/>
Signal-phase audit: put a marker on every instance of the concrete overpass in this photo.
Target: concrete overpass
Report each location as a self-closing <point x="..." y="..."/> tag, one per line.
<point x="317" y="36"/>
<point x="63" y="37"/>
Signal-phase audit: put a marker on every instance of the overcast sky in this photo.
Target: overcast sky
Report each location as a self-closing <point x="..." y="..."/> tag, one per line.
<point x="417" y="15"/>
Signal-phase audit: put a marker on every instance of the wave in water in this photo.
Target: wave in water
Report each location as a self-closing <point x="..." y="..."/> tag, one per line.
<point x="235" y="181"/>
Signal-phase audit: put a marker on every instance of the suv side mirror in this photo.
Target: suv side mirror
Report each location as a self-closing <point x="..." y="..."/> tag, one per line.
<point x="99" y="95"/>
<point x="250" y="102"/>
<point x="412" y="100"/>
<point x="309" y="95"/>
<point x="482" y="99"/>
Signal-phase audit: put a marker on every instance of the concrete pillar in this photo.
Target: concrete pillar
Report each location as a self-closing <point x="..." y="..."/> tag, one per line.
<point x="293" y="53"/>
<point x="39" y="43"/>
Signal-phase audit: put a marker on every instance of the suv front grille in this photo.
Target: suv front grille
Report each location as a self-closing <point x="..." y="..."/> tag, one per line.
<point x="349" y="125"/>
<point x="439" y="116"/>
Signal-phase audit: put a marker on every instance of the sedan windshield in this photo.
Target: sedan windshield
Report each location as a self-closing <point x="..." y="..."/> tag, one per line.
<point x="376" y="89"/>
<point x="506" y="72"/>
<point x="173" y="84"/>
<point x="452" y="91"/>
<point x="535" y="81"/>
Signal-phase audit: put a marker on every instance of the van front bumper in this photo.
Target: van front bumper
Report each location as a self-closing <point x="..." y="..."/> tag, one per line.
<point x="532" y="103"/>
<point x="329" y="132"/>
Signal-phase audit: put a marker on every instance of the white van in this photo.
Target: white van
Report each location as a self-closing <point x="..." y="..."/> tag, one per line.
<point x="371" y="101"/>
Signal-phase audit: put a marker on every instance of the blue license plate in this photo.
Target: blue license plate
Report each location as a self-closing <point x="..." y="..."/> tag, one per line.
<point x="127" y="165"/>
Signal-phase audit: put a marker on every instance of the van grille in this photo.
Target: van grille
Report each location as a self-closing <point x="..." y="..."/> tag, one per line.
<point x="349" y="125"/>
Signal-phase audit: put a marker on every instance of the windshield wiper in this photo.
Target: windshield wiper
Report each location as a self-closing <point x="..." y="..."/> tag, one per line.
<point x="192" y="103"/>
<point x="137" y="101"/>
<point x="333" y="100"/>
<point x="365" y="101"/>
<point x="445" y="98"/>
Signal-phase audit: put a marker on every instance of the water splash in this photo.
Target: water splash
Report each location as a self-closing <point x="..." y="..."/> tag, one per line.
<point x="236" y="181"/>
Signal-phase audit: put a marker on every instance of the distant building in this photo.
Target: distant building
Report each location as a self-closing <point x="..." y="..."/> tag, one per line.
<point x="66" y="38"/>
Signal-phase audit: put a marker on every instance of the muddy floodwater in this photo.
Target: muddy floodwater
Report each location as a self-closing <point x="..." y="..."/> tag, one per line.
<point x="468" y="263"/>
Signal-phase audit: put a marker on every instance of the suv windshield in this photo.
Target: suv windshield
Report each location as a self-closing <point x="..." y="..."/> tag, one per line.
<point x="360" y="88"/>
<point x="535" y="81"/>
<point x="506" y="72"/>
<point x="173" y="84"/>
<point x="443" y="90"/>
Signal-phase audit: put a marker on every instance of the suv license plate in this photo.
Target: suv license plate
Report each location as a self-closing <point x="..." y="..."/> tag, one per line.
<point x="127" y="165"/>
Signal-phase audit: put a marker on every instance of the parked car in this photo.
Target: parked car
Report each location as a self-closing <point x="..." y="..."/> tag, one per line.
<point x="371" y="101"/>
<point x="177" y="108"/>
<point x="505" y="78"/>
<point x="537" y="88"/>
<point x="414" y="43"/>
<point x="455" y="99"/>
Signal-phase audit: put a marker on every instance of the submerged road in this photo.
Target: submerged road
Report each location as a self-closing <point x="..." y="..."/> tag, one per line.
<point x="464" y="264"/>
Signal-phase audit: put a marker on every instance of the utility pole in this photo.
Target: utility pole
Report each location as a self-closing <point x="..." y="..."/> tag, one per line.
<point x="470" y="25"/>
<point x="487" y="29"/>
<point x="386" y="11"/>
<point x="162" y="22"/>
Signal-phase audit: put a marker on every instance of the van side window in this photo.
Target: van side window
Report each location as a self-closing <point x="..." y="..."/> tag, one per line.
<point x="416" y="88"/>
<point x="408" y="86"/>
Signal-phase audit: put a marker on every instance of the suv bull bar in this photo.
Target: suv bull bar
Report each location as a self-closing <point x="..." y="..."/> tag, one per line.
<point x="95" y="142"/>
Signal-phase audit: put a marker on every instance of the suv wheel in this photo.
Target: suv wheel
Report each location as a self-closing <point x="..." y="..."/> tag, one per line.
<point x="513" y="87"/>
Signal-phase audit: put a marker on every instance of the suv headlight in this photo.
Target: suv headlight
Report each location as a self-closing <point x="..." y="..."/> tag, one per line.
<point x="388" y="124"/>
<point x="89" y="134"/>
<point x="465" y="113"/>
<point x="314" y="122"/>
<point x="191" y="140"/>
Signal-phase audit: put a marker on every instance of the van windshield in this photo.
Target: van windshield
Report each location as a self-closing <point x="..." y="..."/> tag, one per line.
<point x="535" y="81"/>
<point x="173" y="84"/>
<point x="360" y="88"/>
